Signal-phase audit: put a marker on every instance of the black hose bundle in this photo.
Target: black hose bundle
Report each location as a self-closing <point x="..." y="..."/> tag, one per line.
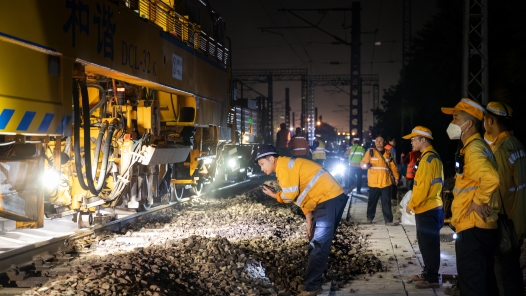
<point x="91" y="167"/>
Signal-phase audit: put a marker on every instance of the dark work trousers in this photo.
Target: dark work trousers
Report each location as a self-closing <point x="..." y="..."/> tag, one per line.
<point x="508" y="272"/>
<point x="326" y="216"/>
<point x="428" y="225"/>
<point x="394" y="190"/>
<point x="474" y="249"/>
<point x="410" y="184"/>
<point x="385" y="199"/>
<point x="355" y="177"/>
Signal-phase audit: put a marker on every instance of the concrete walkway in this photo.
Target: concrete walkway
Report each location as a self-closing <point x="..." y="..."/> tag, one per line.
<point x="396" y="247"/>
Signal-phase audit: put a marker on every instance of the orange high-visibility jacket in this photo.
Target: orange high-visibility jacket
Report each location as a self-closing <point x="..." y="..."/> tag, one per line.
<point x="378" y="173"/>
<point x="299" y="146"/>
<point x="305" y="183"/>
<point x="283" y="139"/>
<point x="413" y="157"/>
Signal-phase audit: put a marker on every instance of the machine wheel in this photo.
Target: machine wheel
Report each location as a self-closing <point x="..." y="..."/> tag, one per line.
<point x="174" y="195"/>
<point x="242" y="176"/>
<point x="144" y="193"/>
<point x="196" y="190"/>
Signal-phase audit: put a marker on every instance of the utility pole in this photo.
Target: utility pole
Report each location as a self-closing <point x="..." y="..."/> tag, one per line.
<point x="475" y="51"/>
<point x="406" y="50"/>
<point x="287" y="108"/>
<point x="355" y="101"/>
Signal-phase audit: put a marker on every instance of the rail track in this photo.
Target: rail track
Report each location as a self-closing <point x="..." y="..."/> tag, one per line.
<point x="25" y="250"/>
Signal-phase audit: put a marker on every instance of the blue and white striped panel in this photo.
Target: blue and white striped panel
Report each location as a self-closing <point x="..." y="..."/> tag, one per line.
<point x="6" y="116"/>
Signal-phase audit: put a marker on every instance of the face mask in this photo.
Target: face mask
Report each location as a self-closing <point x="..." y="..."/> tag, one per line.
<point x="454" y="131"/>
<point x="488" y="138"/>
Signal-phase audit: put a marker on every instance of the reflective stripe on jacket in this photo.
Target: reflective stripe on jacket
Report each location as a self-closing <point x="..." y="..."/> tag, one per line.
<point x="282" y="139"/>
<point x="429" y="180"/>
<point x="413" y="157"/>
<point x="304" y="183"/>
<point x="378" y="173"/>
<point x="299" y="146"/>
<point x="319" y="152"/>
<point x="476" y="184"/>
<point x="511" y="160"/>
<point x="355" y="153"/>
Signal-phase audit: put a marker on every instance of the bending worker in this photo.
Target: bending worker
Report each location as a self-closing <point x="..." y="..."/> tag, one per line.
<point x="426" y="203"/>
<point x="320" y="197"/>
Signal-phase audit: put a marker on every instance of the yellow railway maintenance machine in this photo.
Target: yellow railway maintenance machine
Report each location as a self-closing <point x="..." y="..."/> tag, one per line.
<point x="108" y="103"/>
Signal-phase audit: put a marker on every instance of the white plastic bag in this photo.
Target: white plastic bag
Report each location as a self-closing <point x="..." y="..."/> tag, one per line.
<point x="407" y="219"/>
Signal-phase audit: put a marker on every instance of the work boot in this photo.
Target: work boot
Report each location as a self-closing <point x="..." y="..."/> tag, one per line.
<point x="425" y="285"/>
<point x="369" y="221"/>
<point x="452" y="291"/>
<point x="418" y="277"/>
<point x="310" y="293"/>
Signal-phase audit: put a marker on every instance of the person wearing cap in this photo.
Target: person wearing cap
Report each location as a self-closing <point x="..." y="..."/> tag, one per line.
<point x="299" y="145"/>
<point x="426" y="204"/>
<point x="381" y="174"/>
<point x="474" y="211"/>
<point x="283" y="139"/>
<point x="355" y="154"/>
<point x="511" y="193"/>
<point x="318" y="154"/>
<point x="321" y="198"/>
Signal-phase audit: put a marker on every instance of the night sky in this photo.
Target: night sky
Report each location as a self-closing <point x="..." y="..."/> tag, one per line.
<point x="312" y="49"/>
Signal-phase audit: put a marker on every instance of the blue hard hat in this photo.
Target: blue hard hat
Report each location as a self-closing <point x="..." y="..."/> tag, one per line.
<point x="265" y="150"/>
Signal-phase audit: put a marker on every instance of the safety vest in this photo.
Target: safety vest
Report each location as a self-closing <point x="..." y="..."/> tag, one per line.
<point x="283" y="139"/>
<point x="299" y="146"/>
<point x="413" y="157"/>
<point x="319" y="152"/>
<point x="356" y="153"/>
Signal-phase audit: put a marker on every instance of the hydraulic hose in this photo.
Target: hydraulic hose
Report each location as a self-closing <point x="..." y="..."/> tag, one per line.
<point x="76" y="134"/>
<point x="106" y="155"/>
<point x="95" y="164"/>
<point x="87" y="139"/>
<point x="91" y="167"/>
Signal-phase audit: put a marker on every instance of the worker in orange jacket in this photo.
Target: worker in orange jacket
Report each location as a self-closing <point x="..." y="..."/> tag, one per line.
<point x="283" y="140"/>
<point x="381" y="174"/>
<point x="299" y="146"/>
<point x="410" y="160"/>
<point x="321" y="198"/>
<point x="474" y="211"/>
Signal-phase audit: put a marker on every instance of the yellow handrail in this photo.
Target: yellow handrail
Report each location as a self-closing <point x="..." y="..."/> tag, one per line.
<point x="178" y="26"/>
